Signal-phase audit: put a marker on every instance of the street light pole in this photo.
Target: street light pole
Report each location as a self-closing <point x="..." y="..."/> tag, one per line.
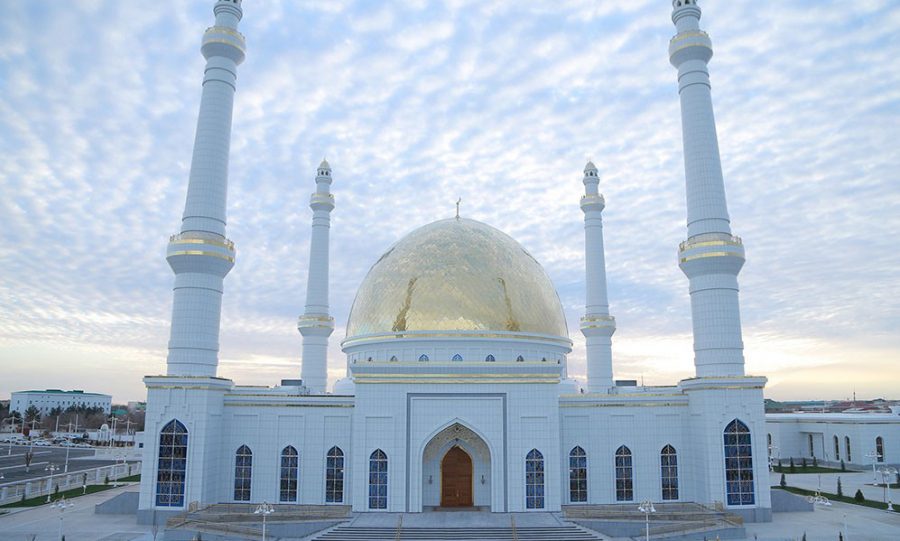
<point x="647" y="508"/>
<point x="62" y="505"/>
<point x="886" y="472"/>
<point x="52" y="468"/>
<point x="874" y="456"/>
<point x="265" y="510"/>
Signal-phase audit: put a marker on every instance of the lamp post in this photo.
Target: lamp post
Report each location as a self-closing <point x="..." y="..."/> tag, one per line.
<point x="874" y="456"/>
<point x="52" y="468"/>
<point x="62" y="505"/>
<point x="647" y="508"/>
<point x="265" y="510"/>
<point x="773" y="449"/>
<point x="886" y="472"/>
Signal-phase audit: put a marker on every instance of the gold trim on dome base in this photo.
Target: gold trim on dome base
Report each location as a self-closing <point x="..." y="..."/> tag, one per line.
<point x="354" y="340"/>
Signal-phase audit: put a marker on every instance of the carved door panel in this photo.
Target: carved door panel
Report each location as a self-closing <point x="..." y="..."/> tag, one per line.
<point x="456" y="479"/>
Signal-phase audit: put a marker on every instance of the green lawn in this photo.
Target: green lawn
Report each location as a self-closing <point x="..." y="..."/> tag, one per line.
<point x="836" y="498"/>
<point x="69" y="494"/>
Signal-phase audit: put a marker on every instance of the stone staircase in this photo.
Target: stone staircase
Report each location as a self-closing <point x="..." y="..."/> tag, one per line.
<point x="546" y="533"/>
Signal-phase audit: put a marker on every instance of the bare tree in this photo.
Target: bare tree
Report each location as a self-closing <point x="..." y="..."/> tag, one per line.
<point x="28" y="456"/>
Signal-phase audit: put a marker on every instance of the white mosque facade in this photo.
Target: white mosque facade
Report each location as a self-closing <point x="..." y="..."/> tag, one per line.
<point x="457" y="392"/>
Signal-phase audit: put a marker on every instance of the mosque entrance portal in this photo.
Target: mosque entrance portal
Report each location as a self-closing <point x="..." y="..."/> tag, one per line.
<point x="456" y="478"/>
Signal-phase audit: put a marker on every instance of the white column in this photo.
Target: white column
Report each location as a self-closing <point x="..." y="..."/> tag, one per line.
<point x="597" y="325"/>
<point x="315" y="324"/>
<point x="200" y="255"/>
<point x="711" y="257"/>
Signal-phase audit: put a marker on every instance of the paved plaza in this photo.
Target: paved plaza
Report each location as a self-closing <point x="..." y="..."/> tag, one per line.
<point x="862" y="523"/>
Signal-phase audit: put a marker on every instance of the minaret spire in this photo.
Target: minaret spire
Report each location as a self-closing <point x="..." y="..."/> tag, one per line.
<point x="200" y="255"/>
<point x="596" y="325"/>
<point x="315" y="324"/>
<point x="711" y="257"/>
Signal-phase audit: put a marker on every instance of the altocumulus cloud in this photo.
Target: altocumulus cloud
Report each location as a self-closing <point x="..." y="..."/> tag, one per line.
<point x="415" y="104"/>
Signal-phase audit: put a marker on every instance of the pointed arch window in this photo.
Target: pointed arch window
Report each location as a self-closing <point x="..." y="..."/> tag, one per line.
<point x="879" y="449"/>
<point x="378" y="479"/>
<point x="457" y="358"/>
<point x="423" y="358"/>
<point x="668" y="461"/>
<point x="577" y="475"/>
<point x="520" y="359"/>
<point x="837" y="448"/>
<point x="534" y="480"/>
<point x="334" y="476"/>
<point x="490" y="359"/>
<point x="812" y="446"/>
<point x="847" y="445"/>
<point x="170" y="477"/>
<point x="624" y="475"/>
<point x="394" y="359"/>
<point x="290" y="470"/>
<point x="243" y="471"/>
<point x="738" y="464"/>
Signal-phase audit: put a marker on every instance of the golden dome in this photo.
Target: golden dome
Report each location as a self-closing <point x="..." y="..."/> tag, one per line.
<point x="457" y="275"/>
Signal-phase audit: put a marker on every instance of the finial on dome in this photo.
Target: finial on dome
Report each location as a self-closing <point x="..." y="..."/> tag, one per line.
<point x="590" y="166"/>
<point x="324" y="164"/>
<point x="458" y="201"/>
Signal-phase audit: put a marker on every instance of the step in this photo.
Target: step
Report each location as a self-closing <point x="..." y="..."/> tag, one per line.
<point x="561" y="533"/>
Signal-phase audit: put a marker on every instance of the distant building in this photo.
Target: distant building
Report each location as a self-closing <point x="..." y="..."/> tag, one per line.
<point x="857" y="439"/>
<point x="45" y="401"/>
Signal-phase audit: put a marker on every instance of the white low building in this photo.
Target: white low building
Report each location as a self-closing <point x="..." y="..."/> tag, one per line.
<point x="457" y="392"/>
<point x="859" y="440"/>
<point x="46" y="401"/>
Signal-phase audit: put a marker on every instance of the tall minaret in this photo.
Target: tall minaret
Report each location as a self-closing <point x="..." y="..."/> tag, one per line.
<point x="596" y="325"/>
<point x="315" y="324"/>
<point x="200" y="255"/>
<point x="711" y="257"/>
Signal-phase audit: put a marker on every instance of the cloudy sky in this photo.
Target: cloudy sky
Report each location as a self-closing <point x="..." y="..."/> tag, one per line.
<point x="416" y="103"/>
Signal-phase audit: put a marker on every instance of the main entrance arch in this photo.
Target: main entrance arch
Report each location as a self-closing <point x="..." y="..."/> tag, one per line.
<point x="456" y="466"/>
<point x="456" y="478"/>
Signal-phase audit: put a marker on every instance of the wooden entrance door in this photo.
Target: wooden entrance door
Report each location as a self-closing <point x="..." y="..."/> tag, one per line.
<point x="456" y="479"/>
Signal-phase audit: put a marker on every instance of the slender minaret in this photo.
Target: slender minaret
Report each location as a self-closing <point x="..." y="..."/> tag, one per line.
<point x="711" y="257"/>
<point x="596" y="325"/>
<point x="315" y="324"/>
<point x="200" y="255"/>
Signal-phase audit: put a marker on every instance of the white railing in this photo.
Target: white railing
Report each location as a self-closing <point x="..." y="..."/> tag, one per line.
<point x="13" y="492"/>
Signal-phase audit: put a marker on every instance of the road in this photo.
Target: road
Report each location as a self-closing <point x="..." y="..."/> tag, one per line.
<point x="12" y="462"/>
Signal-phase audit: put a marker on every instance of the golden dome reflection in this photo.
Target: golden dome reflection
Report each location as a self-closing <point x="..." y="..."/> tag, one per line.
<point x="456" y="275"/>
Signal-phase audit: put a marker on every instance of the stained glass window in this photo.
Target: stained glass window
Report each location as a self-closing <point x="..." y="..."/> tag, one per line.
<point x="668" y="461"/>
<point x="577" y="475"/>
<point x="243" y="465"/>
<point x="847" y="442"/>
<point x="457" y="358"/>
<point x="534" y="480"/>
<point x="837" y="448"/>
<point x="520" y="359"/>
<point x="490" y="359"/>
<point x="738" y="464"/>
<point x="879" y="449"/>
<point x="334" y="476"/>
<point x="290" y="470"/>
<point x="172" y="468"/>
<point x="423" y="358"/>
<point x="378" y="480"/>
<point x="624" y="475"/>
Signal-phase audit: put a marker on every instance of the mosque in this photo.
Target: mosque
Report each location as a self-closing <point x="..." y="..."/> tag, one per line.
<point x="456" y="392"/>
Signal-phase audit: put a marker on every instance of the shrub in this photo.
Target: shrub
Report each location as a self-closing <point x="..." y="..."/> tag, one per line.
<point x="859" y="496"/>
<point x="803" y="464"/>
<point x="804" y="536"/>
<point x="792" y="468"/>
<point x="843" y="468"/>
<point x="106" y="480"/>
<point x="840" y="489"/>
<point x="815" y="462"/>
<point x="783" y="482"/>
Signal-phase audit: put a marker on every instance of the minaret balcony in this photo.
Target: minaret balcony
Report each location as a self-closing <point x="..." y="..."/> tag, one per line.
<point x="223" y="41"/>
<point x="592" y="202"/>
<point x="315" y="325"/>
<point x="321" y="201"/>
<point x="690" y="45"/>
<point x="200" y="251"/>
<point x="711" y="253"/>
<point x="598" y="325"/>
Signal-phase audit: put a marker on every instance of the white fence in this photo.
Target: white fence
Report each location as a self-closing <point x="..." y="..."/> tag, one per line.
<point x="66" y="481"/>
